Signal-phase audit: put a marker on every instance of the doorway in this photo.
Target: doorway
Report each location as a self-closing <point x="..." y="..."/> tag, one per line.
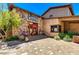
<point x="33" y="28"/>
<point x="71" y="26"/>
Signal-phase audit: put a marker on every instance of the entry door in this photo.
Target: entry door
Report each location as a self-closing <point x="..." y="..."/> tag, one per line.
<point x="33" y="28"/>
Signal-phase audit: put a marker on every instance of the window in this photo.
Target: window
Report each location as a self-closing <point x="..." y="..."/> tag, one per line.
<point x="32" y="17"/>
<point x="50" y="16"/>
<point x="55" y="28"/>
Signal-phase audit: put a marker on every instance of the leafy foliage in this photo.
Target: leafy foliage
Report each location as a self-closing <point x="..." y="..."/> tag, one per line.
<point x="11" y="38"/>
<point x="61" y="35"/>
<point x="67" y="38"/>
<point x="9" y="19"/>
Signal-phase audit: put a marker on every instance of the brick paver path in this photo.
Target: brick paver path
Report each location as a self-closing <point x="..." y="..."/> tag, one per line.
<point x="46" y="46"/>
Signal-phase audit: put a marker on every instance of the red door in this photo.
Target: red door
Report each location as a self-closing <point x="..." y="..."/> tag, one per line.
<point x="33" y="28"/>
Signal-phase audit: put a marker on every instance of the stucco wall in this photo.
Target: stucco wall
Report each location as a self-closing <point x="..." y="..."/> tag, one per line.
<point x="47" y="26"/>
<point x="59" y="12"/>
<point x="72" y="24"/>
<point x="40" y="25"/>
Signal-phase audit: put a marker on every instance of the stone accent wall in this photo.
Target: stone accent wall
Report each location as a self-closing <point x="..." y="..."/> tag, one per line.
<point x="17" y="31"/>
<point x="24" y="26"/>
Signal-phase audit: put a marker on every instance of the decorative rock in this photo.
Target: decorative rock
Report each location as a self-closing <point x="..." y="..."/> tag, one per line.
<point x="4" y="47"/>
<point x="26" y="39"/>
<point x="21" y="37"/>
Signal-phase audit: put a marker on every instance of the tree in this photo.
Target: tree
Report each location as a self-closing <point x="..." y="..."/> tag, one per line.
<point x="9" y="19"/>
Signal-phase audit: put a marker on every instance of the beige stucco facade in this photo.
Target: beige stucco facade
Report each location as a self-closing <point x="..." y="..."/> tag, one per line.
<point x="70" y="23"/>
<point x="47" y="26"/>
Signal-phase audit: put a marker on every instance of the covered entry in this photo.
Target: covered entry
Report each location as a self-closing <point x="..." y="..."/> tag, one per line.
<point x="72" y="26"/>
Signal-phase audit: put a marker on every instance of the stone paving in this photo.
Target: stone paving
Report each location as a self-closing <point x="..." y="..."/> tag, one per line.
<point x="47" y="46"/>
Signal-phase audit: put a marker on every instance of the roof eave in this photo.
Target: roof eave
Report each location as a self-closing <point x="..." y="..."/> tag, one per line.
<point x="69" y="5"/>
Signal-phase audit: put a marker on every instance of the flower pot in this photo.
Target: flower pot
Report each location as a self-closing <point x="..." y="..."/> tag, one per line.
<point x="75" y="39"/>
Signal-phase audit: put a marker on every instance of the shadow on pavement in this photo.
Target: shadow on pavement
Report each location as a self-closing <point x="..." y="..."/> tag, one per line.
<point x="31" y="38"/>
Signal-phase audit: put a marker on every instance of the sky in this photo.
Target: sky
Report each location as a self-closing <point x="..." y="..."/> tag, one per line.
<point x="40" y="8"/>
<point x="3" y="6"/>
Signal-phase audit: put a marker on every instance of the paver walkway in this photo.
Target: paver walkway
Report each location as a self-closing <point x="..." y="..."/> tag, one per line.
<point x="31" y="38"/>
<point x="47" y="46"/>
<point x="37" y="37"/>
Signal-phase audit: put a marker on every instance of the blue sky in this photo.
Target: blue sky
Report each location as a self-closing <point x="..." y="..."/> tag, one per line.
<point x="40" y="8"/>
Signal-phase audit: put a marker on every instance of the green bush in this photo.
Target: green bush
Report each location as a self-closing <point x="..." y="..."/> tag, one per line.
<point x="12" y="38"/>
<point x="61" y="35"/>
<point x="70" y="34"/>
<point x="67" y="38"/>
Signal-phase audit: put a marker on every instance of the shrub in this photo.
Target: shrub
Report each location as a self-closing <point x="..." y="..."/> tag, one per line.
<point x="70" y="34"/>
<point x="67" y="38"/>
<point x="61" y="35"/>
<point x="12" y="38"/>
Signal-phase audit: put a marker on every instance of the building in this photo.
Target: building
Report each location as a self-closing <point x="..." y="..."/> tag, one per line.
<point x="60" y="19"/>
<point x="53" y="21"/>
<point x="32" y="22"/>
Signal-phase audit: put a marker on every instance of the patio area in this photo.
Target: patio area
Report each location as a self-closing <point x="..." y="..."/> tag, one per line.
<point x="44" y="46"/>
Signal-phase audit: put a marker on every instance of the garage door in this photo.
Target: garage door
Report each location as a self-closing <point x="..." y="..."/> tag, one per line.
<point x="74" y="27"/>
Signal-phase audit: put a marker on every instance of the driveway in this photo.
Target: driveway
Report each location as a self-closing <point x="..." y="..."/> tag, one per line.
<point x="46" y="46"/>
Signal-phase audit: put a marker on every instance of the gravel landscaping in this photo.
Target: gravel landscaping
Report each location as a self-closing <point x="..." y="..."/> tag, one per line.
<point x="47" y="46"/>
